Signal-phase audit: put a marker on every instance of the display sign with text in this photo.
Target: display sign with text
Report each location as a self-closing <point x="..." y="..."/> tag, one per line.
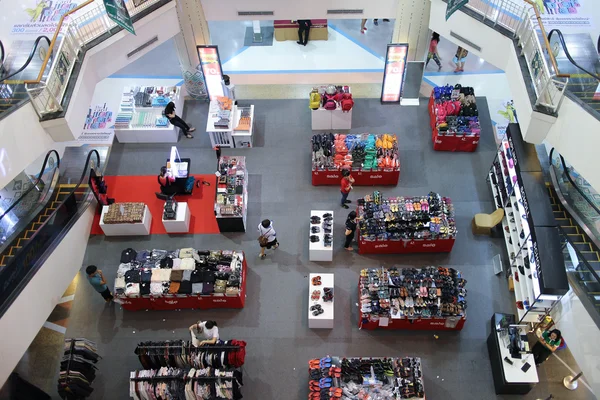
<point x="393" y="74"/>
<point x="211" y="67"/>
<point x="116" y="10"/>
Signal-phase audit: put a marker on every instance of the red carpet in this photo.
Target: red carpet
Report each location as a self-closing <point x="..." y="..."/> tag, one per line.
<point x="142" y="189"/>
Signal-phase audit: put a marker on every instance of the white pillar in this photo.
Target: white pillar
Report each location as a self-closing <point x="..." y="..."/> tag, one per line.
<point x="257" y="37"/>
<point x="194" y="31"/>
<point x="412" y="27"/>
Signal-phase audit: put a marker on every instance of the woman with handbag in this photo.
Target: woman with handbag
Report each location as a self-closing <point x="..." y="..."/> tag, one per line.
<point x="267" y="238"/>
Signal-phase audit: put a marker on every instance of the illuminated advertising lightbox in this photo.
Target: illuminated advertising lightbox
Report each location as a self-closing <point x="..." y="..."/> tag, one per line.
<point x="393" y="74"/>
<point x="211" y="68"/>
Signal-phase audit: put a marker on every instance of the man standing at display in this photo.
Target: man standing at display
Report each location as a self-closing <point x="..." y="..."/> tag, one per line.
<point x="98" y="282"/>
<point x="346" y="187"/>
<point x="303" y="27"/>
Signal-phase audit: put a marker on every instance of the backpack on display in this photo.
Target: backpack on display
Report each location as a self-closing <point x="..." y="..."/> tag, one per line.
<point x="315" y="100"/>
<point x="329" y="101"/>
<point x="347" y="102"/>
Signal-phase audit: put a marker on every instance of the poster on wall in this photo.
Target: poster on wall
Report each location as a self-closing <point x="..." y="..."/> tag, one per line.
<point x="211" y="67"/>
<point x="41" y="16"/>
<point x="62" y="67"/>
<point x="99" y="126"/>
<point x="393" y="74"/>
<point x="116" y="10"/>
<point x="454" y="6"/>
<point x="565" y="14"/>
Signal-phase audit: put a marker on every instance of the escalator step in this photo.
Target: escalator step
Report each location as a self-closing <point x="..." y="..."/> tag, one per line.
<point x="556" y="207"/>
<point x="590" y="256"/>
<point x="572" y="230"/>
<point x="13" y="250"/>
<point x="559" y="215"/>
<point x="582" y="246"/>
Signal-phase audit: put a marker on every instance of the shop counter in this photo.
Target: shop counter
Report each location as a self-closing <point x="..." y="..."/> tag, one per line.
<point x="181" y="223"/>
<point x="405" y="246"/>
<point x="285" y="29"/>
<point x="386" y="177"/>
<point x="127" y="229"/>
<point x="175" y="302"/>
<point x="324" y="320"/>
<point x="509" y="379"/>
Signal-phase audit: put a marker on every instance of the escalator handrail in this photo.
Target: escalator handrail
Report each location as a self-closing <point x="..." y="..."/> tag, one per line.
<point x="31" y="54"/>
<point x="37" y="180"/>
<point x="580" y="256"/>
<point x="561" y="39"/>
<point x="564" y="165"/>
<point x="1" y="50"/>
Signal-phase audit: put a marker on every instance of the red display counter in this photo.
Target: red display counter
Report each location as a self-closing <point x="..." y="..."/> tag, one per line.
<point x="449" y="143"/>
<point x="405" y="246"/>
<point x="174" y="302"/>
<point x="424" y="324"/>
<point x="388" y="177"/>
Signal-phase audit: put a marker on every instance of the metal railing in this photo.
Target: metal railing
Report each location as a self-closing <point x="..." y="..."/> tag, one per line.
<point x="47" y="96"/>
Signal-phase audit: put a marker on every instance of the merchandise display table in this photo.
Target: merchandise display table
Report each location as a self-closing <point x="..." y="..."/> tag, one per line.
<point x="387" y="177"/>
<point x="181" y="223"/>
<point x="416" y="324"/>
<point x="323" y="119"/>
<point x="231" y="197"/>
<point x="463" y="143"/>
<point x="319" y="251"/>
<point x="509" y="379"/>
<point x="127" y="229"/>
<point x="324" y="320"/>
<point x="240" y="125"/>
<point x="405" y="246"/>
<point x="285" y="29"/>
<point x="138" y="122"/>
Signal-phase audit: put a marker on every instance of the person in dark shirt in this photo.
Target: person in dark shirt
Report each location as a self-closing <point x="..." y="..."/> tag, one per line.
<point x="350" y="230"/>
<point x="98" y="282"/>
<point x="175" y="120"/>
<point x="303" y="27"/>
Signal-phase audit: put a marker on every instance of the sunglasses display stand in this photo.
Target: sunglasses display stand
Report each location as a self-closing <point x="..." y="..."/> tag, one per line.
<point x="321" y="229"/>
<point x="317" y="305"/>
<point x="518" y="186"/>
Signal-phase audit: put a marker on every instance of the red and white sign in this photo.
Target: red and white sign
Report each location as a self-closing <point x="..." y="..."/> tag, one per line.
<point x="393" y="75"/>
<point x="211" y="68"/>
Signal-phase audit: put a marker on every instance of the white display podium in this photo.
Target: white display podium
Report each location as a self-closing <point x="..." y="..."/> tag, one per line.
<point x="513" y="373"/>
<point x="323" y="119"/>
<point x="181" y="223"/>
<point x="229" y="137"/>
<point x="324" y="320"/>
<point x="137" y="229"/>
<point x="317" y="251"/>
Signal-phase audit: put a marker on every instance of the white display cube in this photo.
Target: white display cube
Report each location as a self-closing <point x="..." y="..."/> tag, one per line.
<point x="181" y="223"/>
<point x="136" y="229"/>
<point x="317" y="251"/>
<point x="324" y="320"/>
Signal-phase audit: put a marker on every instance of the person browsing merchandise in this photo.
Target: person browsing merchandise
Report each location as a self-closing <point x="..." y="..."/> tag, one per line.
<point x="207" y="330"/>
<point x="350" y="230"/>
<point x="267" y="237"/>
<point x="177" y="121"/>
<point x="346" y="187"/>
<point x="98" y="282"/>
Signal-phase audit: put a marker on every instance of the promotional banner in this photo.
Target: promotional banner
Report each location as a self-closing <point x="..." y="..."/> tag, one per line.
<point x="566" y="15"/>
<point x="40" y="16"/>
<point x="393" y="74"/>
<point x="116" y="10"/>
<point x="454" y="6"/>
<point x="211" y="67"/>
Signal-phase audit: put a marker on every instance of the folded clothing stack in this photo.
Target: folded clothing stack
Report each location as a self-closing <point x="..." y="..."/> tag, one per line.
<point x="194" y="271"/>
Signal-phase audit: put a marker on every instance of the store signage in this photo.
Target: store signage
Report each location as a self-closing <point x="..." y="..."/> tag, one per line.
<point x="376" y="176"/>
<point x="219" y="300"/>
<point x="211" y="68"/>
<point x="393" y="74"/>
<point x="116" y="10"/>
<point x="333" y="176"/>
<point x="428" y="244"/>
<point x="381" y="246"/>
<point x="454" y="6"/>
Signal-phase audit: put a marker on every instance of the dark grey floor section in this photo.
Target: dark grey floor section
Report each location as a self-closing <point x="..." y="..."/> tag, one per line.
<point x="274" y="321"/>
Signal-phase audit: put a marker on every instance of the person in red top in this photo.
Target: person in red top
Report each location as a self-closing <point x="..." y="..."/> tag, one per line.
<point x="433" y="51"/>
<point x="346" y="187"/>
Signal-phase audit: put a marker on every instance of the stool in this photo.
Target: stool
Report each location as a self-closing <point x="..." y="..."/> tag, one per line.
<point x="482" y="224"/>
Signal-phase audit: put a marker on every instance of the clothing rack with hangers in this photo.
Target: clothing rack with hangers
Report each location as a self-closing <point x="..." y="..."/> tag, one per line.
<point x="78" y="370"/>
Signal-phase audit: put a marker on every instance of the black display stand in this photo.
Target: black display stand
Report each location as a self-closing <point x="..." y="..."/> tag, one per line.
<point x="231" y="224"/>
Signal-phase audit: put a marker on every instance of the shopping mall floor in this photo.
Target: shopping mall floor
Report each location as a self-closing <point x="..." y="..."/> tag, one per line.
<point x="274" y="321"/>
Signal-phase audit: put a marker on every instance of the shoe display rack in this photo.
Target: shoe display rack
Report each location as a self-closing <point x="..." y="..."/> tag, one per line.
<point x="452" y="132"/>
<point x="185" y="278"/>
<point x="231" y="197"/>
<point x="229" y="125"/>
<point x="518" y="186"/>
<point x="320" y="241"/>
<point x="140" y="118"/>
<point x="400" y="225"/>
<point x="322" y="119"/>
<point x="372" y="159"/>
<point x="320" y="304"/>
<point x="365" y="378"/>
<point x="431" y="298"/>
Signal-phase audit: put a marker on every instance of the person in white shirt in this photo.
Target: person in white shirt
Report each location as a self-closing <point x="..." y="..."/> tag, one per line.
<point x="267" y="237"/>
<point x="228" y="88"/>
<point x="208" y="330"/>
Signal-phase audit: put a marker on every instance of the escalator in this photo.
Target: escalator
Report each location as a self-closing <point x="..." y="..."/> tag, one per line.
<point x="12" y="88"/>
<point x="37" y="233"/>
<point x="578" y="217"/>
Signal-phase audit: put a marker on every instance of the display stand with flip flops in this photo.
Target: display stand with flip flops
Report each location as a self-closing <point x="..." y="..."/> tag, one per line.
<point x="320" y="244"/>
<point x="320" y="301"/>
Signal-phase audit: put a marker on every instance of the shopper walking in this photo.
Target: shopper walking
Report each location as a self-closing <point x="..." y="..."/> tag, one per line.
<point x="267" y="238"/>
<point x="433" y="51"/>
<point x="460" y="58"/>
<point x="547" y="344"/>
<point x="177" y="121"/>
<point x="363" y="25"/>
<point x="303" y="28"/>
<point x="346" y="187"/>
<point x="376" y="21"/>
<point x="350" y="230"/>
<point x="204" y="333"/>
<point x="98" y="282"/>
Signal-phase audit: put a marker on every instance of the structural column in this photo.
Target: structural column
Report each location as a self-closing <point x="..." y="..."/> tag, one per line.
<point x="412" y="27"/>
<point x="194" y="31"/>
